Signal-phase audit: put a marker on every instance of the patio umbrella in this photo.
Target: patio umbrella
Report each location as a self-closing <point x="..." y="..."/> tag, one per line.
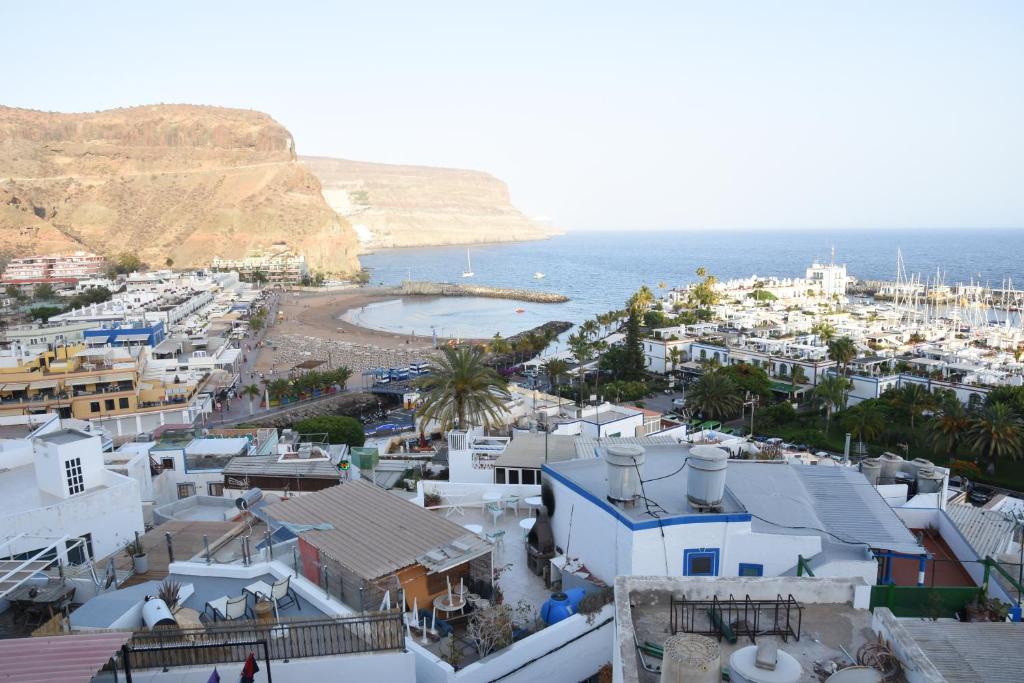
<point x="249" y="669"/>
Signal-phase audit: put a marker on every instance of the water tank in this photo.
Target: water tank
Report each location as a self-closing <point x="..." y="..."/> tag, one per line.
<point x="690" y="658"/>
<point x="891" y="464"/>
<point x="872" y="469"/>
<point x="155" y="613"/>
<point x="561" y="605"/>
<point x="625" y="467"/>
<point x="743" y="667"/>
<point x="705" y="483"/>
<point x="929" y="480"/>
<point x="916" y="464"/>
<point x="856" y="674"/>
<point x="248" y="499"/>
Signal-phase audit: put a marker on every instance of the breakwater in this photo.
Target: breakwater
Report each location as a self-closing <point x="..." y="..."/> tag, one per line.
<point x="414" y="288"/>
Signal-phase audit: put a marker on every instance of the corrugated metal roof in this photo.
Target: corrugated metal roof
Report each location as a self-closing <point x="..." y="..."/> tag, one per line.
<point x="988" y="531"/>
<point x="971" y="652"/>
<point x="69" y="659"/>
<point x="375" y="532"/>
<point x="269" y="465"/>
<point x="586" y="446"/>
<point x="838" y="491"/>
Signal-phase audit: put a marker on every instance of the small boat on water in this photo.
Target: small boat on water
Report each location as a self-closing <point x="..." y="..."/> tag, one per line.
<point x="538" y="275"/>
<point x="468" y="272"/>
<point x="520" y="310"/>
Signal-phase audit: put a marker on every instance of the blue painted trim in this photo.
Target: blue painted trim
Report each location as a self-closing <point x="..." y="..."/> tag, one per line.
<point x="690" y="553"/>
<point x="750" y="565"/>
<point x="695" y="518"/>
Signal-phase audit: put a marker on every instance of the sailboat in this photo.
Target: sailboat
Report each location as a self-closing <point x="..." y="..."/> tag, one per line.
<point x="538" y="275"/>
<point x="468" y="272"/>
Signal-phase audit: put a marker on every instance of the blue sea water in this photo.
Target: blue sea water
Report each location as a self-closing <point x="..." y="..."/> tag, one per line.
<point x="599" y="270"/>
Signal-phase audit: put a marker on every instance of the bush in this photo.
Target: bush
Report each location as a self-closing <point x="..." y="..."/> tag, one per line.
<point x="44" y="313"/>
<point x="339" y="429"/>
<point x="622" y="390"/>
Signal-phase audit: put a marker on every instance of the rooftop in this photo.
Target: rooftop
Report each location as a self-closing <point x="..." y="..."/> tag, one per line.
<point x="528" y="449"/>
<point x="65" y="436"/>
<point x="970" y="652"/>
<point x="274" y="466"/>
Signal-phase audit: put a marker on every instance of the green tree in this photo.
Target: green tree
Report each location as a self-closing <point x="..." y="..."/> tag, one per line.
<point x="749" y="378"/>
<point x="1011" y="396"/>
<point x="634" y="360"/>
<point x="44" y="292"/>
<point x="340" y="429"/>
<point x="996" y="432"/>
<point x="125" y="263"/>
<point x="825" y="330"/>
<point x="703" y="294"/>
<point x="14" y="292"/>
<point x="910" y="400"/>
<point x="589" y="328"/>
<point x="462" y="391"/>
<point x="842" y="350"/>
<point x="675" y="357"/>
<point x="864" y="421"/>
<point x="831" y="393"/>
<point x="582" y="350"/>
<point x="948" y="429"/>
<point x="715" y="396"/>
<point x="44" y="313"/>
<point x="796" y="376"/>
<point x="251" y="391"/>
<point x="556" y="369"/>
<point x="169" y="262"/>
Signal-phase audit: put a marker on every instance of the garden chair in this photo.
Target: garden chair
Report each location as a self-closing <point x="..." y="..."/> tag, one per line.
<point x="228" y="608"/>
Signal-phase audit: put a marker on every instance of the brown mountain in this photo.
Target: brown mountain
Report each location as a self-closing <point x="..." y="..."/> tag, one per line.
<point x="178" y="181"/>
<point x="409" y="206"/>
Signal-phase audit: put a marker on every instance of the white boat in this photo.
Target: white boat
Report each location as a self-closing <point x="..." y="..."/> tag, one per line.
<point x="538" y="275"/>
<point x="469" y="266"/>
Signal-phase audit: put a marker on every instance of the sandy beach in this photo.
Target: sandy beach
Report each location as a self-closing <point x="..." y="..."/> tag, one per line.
<point x="311" y="329"/>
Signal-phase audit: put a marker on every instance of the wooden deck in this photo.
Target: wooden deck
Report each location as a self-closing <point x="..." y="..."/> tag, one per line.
<point x="187" y="540"/>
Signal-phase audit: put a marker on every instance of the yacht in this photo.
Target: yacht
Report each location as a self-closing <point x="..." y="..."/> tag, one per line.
<point x="538" y="275"/>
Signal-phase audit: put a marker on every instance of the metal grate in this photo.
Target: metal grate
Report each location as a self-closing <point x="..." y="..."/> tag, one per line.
<point x="734" y="617"/>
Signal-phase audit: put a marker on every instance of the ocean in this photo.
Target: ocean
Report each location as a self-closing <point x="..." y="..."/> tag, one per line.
<point x="599" y="270"/>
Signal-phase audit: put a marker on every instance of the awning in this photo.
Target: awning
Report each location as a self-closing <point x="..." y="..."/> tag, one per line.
<point x="93" y="353"/>
<point x="118" y="377"/>
<point x="15" y="386"/>
<point x="69" y="658"/>
<point x="132" y="337"/>
<point x="44" y="384"/>
<point x="80" y="381"/>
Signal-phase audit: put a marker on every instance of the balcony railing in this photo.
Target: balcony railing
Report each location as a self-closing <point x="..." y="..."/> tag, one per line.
<point x="233" y="641"/>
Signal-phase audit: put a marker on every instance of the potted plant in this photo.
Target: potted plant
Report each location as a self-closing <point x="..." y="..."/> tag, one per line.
<point x="134" y="550"/>
<point x="431" y="499"/>
<point x="168" y="592"/>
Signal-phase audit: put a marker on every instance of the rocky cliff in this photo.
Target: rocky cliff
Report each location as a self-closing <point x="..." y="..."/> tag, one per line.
<point x="164" y="181"/>
<point x="407" y="206"/>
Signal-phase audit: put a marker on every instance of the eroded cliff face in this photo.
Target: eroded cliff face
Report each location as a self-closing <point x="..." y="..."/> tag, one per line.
<point x="164" y="181"/>
<point x="409" y="206"/>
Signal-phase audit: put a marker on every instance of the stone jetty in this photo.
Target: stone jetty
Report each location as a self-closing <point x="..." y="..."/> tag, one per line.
<point x="415" y="288"/>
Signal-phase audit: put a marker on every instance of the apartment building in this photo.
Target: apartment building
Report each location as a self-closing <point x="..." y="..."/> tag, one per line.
<point x="279" y="264"/>
<point x="54" y="267"/>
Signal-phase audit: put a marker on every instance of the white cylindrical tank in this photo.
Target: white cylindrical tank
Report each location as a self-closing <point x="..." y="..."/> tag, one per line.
<point x="872" y="469"/>
<point x="891" y="464"/>
<point x="929" y="480"/>
<point x="625" y="468"/>
<point x="690" y="658"/>
<point x="705" y="482"/>
<point x="917" y="464"/>
<point x="742" y="668"/>
<point x="248" y="499"/>
<point x="155" y="613"/>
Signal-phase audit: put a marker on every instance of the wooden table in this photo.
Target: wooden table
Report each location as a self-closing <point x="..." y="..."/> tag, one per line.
<point x="48" y="596"/>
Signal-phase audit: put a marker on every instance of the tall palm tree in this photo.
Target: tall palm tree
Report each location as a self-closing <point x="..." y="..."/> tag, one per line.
<point x="462" y="391"/>
<point x="825" y="330"/>
<point x="842" y="351"/>
<point x="715" y="396"/>
<point x="950" y="426"/>
<point x="582" y="350"/>
<point x="912" y="399"/>
<point x="589" y="328"/>
<point x="865" y="421"/>
<point x="831" y="393"/>
<point x="797" y="376"/>
<point x="556" y="369"/>
<point x="675" y="357"/>
<point x="251" y="391"/>
<point x="996" y="432"/>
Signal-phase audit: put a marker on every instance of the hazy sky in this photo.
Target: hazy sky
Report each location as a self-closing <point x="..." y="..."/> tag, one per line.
<point x="623" y="115"/>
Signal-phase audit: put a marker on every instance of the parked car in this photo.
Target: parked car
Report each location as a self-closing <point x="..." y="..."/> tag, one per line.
<point x="980" y="495"/>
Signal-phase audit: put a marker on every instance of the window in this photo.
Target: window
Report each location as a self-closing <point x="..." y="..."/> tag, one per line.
<point x="499" y="475"/>
<point x="167" y="463"/>
<point x="215" y="489"/>
<point x="108" y="403"/>
<point x="747" y="569"/>
<point x="185" y="490"/>
<point x="122" y="402"/>
<point x="700" y="562"/>
<point x="528" y="477"/>
<point x="513" y="476"/>
<point x="94" y="406"/>
<point x="73" y="475"/>
<point x="79" y="550"/>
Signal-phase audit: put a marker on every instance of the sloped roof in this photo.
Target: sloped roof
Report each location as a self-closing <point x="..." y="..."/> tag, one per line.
<point x="971" y="652"/>
<point x="69" y="659"/>
<point x="988" y="531"/>
<point x="375" y="533"/>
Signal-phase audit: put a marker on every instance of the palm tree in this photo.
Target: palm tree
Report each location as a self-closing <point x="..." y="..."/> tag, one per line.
<point x="865" y="421"/>
<point x="500" y="346"/>
<point x="949" y="427"/>
<point x="996" y="432"/>
<point x="715" y="396"/>
<point x="912" y="399"/>
<point x="642" y="299"/>
<point x="462" y="391"/>
<point x="675" y="356"/>
<point x="589" y="328"/>
<point x="556" y="369"/>
<point x="825" y="331"/>
<point x="797" y="376"/>
<point x="842" y="351"/>
<point x="251" y="391"/>
<point x="582" y="349"/>
<point x="279" y="388"/>
<point x="831" y="393"/>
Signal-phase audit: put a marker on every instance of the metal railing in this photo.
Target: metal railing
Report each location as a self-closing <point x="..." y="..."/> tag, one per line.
<point x="232" y="641"/>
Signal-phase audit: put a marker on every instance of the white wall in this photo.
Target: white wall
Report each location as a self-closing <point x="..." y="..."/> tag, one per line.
<point x="381" y="667"/>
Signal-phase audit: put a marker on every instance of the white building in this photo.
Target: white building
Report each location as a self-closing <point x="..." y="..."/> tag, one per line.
<point x="830" y="278"/>
<point x="765" y="515"/>
<point x="57" y="500"/>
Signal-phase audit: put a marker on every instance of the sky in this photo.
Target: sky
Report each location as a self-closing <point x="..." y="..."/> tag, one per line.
<point x="607" y="116"/>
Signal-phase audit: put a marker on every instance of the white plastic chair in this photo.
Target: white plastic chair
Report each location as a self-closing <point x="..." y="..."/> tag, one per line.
<point x="513" y="502"/>
<point x="496" y="511"/>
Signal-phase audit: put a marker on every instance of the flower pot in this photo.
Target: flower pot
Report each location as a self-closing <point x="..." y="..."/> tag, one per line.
<point x="140" y="563"/>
